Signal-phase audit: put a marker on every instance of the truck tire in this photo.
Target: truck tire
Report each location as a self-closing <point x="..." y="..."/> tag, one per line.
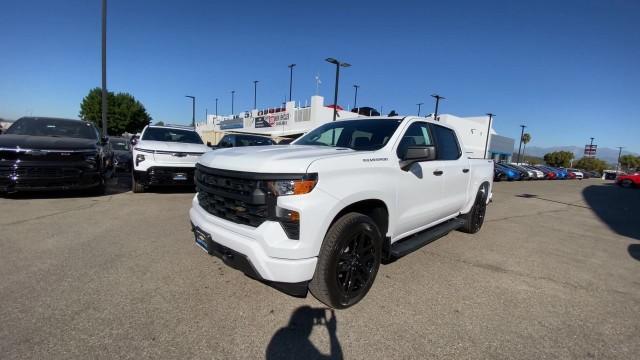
<point x="626" y="183"/>
<point x="474" y="219"/>
<point x="136" y="187"/>
<point x="348" y="262"/>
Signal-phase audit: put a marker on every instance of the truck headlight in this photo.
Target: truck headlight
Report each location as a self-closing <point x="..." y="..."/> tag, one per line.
<point x="292" y="187"/>
<point x="139" y="159"/>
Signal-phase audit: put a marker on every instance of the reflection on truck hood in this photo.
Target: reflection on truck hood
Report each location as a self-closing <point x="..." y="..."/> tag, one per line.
<point x="45" y="142"/>
<point x="171" y="146"/>
<point x="270" y="159"/>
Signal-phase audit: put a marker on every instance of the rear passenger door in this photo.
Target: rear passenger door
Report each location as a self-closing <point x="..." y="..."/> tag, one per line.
<point x="455" y="169"/>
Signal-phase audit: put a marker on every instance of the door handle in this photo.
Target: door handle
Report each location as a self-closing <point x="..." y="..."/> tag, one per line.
<point x="438" y="172"/>
<point x="465" y="170"/>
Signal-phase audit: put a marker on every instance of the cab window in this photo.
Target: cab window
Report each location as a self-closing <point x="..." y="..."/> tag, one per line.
<point x="416" y="135"/>
<point x="446" y="142"/>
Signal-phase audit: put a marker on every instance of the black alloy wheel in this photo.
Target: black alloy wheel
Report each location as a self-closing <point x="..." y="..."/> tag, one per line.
<point x="355" y="265"/>
<point x="475" y="218"/>
<point x="626" y="183"/>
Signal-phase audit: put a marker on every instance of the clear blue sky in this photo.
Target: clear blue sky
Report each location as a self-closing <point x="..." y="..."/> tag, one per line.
<point x="567" y="69"/>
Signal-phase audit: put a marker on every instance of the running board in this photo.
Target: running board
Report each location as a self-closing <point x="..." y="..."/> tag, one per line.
<point x="415" y="242"/>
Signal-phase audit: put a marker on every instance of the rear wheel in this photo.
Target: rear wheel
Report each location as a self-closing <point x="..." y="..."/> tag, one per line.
<point x="349" y="261"/>
<point x="475" y="218"/>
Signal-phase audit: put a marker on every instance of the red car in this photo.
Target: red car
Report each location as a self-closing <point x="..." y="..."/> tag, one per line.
<point x="628" y="180"/>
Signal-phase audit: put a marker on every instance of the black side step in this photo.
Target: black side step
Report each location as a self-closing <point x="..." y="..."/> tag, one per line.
<point x="415" y="242"/>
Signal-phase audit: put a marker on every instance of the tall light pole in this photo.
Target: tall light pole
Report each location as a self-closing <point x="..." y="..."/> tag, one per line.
<point x="233" y="94"/>
<point x="335" y="95"/>
<point x="438" y="98"/>
<point x="618" y="163"/>
<point x="290" y="66"/>
<point x="104" y="68"/>
<point x="419" y="106"/>
<point x="355" y="98"/>
<point x="193" y="111"/>
<point x="520" y="146"/>
<point x="591" y="149"/>
<point x="216" y="107"/>
<point x="486" y="144"/>
<point x="255" y="93"/>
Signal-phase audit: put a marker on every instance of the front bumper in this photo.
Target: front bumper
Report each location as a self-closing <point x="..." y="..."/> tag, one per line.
<point x="254" y="244"/>
<point x="165" y="175"/>
<point x="45" y="177"/>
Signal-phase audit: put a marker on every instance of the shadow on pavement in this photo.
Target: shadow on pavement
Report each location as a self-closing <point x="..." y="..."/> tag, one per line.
<point x="634" y="251"/>
<point x="619" y="208"/>
<point x="292" y="341"/>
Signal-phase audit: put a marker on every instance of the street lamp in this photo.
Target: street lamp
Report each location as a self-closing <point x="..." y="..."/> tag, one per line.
<point x="520" y="146"/>
<point x="233" y="93"/>
<point x="216" y="107"/>
<point x="104" y="68"/>
<point x="290" y="66"/>
<point x="486" y="144"/>
<point x="355" y="98"/>
<point x="193" y="110"/>
<point x="255" y="92"/>
<point x="335" y="95"/>
<point x="419" y="106"/>
<point x="437" y="97"/>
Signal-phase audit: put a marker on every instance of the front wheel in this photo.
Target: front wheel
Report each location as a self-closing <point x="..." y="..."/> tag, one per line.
<point x="626" y="183"/>
<point x="474" y="219"/>
<point x="348" y="262"/>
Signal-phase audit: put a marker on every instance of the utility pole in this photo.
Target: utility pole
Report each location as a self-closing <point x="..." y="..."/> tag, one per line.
<point x="520" y="146"/>
<point x="255" y="92"/>
<point x="355" y="98"/>
<point x="437" y="97"/>
<point x="233" y="93"/>
<point x="335" y="95"/>
<point x="105" y="103"/>
<point x="486" y="144"/>
<point x="193" y="111"/>
<point x="419" y="106"/>
<point x="618" y="163"/>
<point x="290" y="66"/>
<point x="216" y="107"/>
<point x="591" y="149"/>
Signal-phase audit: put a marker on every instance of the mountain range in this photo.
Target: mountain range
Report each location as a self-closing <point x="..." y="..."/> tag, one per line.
<point x="607" y="154"/>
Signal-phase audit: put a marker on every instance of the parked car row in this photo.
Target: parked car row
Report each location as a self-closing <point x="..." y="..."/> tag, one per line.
<point x="511" y="172"/>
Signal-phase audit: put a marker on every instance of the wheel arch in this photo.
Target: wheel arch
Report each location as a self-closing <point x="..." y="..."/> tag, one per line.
<point x="376" y="209"/>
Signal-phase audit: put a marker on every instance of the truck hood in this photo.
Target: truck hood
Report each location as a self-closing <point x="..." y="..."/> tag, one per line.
<point x="11" y="141"/>
<point x="171" y="146"/>
<point x="270" y="159"/>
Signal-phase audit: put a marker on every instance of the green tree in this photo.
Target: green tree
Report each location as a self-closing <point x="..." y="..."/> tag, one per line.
<point x="629" y="161"/>
<point x="124" y="114"/>
<point x="526" y="137"/>
<point x="591" y="164"/>
<point x="559" y="158"/>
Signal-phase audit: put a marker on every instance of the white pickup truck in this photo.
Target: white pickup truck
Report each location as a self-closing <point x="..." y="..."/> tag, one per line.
<point x="165" y="155"/>
<point x="322" y="213"/>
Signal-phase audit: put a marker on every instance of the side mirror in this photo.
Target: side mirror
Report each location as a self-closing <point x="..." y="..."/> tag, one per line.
<point x="209" y="144"/>
<point x="414" y="154"/>
<point x="134" y="141"/>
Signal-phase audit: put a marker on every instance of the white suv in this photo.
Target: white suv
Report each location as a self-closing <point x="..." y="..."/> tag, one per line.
<point x="165" y="155"/>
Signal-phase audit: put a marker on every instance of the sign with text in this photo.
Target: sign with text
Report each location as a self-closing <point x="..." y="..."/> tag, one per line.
<point x="590" y="150"/>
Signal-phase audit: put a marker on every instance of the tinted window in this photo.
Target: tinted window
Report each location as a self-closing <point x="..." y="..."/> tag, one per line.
<point x="355" y="134"/>
<point x="172" y="135"/>
<point x="416" y="135"/>
<point x="447" y="143"/>
<point x="253" y="141"/>
<point x="119" y="144"/>
<point x="53" y="127"/>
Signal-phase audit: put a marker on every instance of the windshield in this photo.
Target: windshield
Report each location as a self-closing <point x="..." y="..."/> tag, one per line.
<point x="172" y="135"/>
<point x="119" y="144"/>
<point x="253" y="141"/>
<point x="53" y="127"/>
<point x="354" y="134"/>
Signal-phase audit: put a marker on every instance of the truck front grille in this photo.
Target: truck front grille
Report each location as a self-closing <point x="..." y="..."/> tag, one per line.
<point x="231" y="195"/>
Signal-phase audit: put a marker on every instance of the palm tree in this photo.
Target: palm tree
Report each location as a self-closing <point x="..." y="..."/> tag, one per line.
<point x="526" y="137"/>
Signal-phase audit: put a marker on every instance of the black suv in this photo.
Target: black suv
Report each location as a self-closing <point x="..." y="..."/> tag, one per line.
<point x="38" y="153"/>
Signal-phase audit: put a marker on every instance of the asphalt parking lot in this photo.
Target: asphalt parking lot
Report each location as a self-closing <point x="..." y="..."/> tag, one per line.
<point x="554" y="273"/>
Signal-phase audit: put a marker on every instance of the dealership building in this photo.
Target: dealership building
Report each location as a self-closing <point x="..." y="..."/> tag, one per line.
<point x="290" y="121"/>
